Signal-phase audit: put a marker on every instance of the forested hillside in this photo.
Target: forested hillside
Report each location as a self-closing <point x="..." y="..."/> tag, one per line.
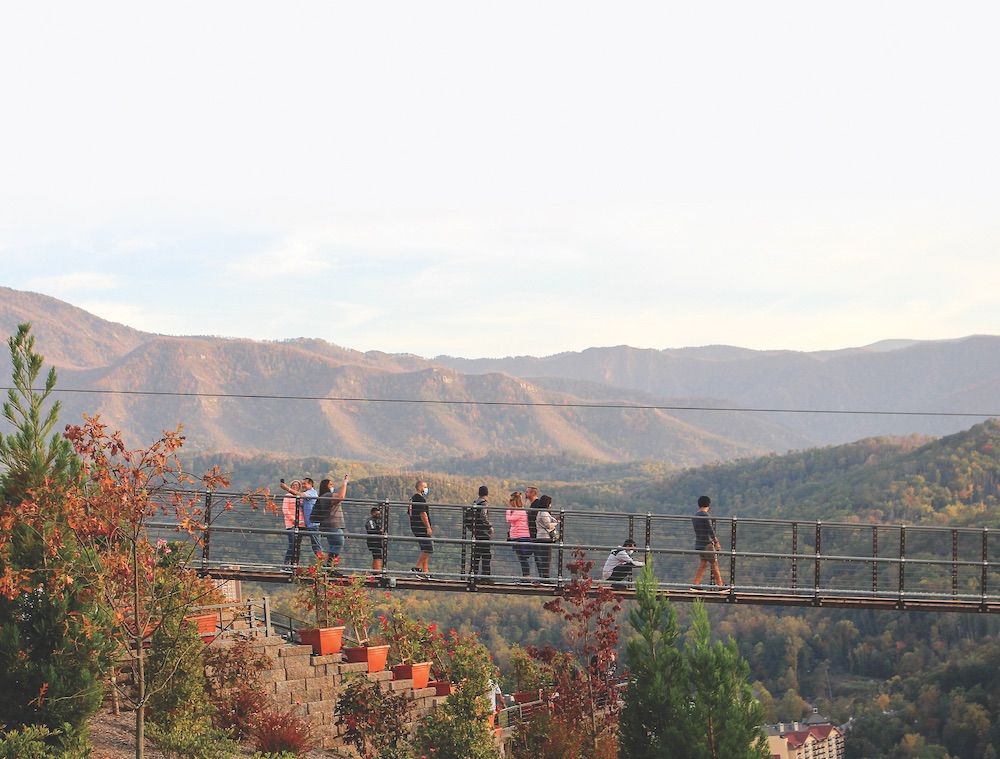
<point x="912" y="684"/>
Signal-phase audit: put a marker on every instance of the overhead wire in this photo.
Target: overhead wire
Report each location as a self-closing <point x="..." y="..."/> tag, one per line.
<point x="523" y="404"/>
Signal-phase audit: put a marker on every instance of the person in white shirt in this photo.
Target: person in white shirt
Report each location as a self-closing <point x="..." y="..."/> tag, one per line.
<point x="619" y="565"/>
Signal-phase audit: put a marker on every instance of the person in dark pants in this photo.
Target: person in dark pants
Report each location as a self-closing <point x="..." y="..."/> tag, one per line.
<point x="482" y="531"/>
<point x="619" y="565"/>
<point x="373" y="528"/>
<point x="420" y="526"/>
<point x="531" y="506"/>
<point x="547" y="533"/>
<point x="518" y="533"/>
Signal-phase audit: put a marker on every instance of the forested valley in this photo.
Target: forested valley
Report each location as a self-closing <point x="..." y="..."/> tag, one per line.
<point x="909" y="684"/>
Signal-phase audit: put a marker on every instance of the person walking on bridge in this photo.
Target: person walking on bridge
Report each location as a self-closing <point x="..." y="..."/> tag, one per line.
<point x="420" y="526"/>
<point x="706" y="542"/>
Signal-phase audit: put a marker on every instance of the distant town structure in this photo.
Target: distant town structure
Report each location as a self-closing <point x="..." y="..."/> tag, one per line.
<point x="812" y="738"/>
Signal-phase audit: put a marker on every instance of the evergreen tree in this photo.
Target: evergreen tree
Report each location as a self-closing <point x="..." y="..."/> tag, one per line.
<point x="51" y="651"/>
<point x="654" y="722"/>
<point x="28" y="459"/>
<point x="724" y="714"/>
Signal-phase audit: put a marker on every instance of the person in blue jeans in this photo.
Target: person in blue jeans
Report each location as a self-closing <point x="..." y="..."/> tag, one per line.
<point x="307" y="495"/>
<point x="329" y="515"/>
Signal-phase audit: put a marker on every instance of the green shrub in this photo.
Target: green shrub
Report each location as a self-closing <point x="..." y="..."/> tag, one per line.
<point x="28" y="743"/>
<point x="180" y="742"/>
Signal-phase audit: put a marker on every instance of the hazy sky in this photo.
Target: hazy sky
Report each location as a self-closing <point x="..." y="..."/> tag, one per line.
<point x="507" y="178"/>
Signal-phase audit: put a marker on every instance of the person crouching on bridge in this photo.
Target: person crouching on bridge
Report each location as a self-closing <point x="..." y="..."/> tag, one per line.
<point x="619" y="565"/>
<point x="706" y="542"/>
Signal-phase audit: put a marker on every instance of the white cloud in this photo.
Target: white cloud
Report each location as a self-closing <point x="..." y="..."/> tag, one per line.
<point x="75" y="282"/>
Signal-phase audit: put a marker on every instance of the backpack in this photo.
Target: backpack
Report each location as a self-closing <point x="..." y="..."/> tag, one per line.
<point x="469" y="518"/>
<point x="322" y="507"/>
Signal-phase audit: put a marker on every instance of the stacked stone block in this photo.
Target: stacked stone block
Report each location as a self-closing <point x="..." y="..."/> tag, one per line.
<point x="309" y="686"/>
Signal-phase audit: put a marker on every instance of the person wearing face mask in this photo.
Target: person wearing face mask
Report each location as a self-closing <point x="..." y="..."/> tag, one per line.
<point x="619" y="565"/>
<point x="420" y="526"/>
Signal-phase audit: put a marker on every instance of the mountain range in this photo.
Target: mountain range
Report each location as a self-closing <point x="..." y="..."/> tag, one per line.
<point x="308" y="397"/>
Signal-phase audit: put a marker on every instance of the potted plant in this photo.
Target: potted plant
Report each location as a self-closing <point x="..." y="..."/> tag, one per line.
<point x="463" y="661"/>
<point x="526" y="675"/>
<point x="317" y="589"/>
<point x="351" y="600"/>
<point x="411" y="645"/>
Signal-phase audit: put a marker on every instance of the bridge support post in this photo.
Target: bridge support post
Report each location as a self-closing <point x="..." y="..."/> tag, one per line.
<point x="874" y="559"/>
<point x="206" y="539"/>
<point x="819" y="551"/>
<point x="732" y="553"/>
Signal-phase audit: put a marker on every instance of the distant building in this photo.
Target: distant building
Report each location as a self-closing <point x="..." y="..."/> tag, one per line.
<point x="813" y="738"/>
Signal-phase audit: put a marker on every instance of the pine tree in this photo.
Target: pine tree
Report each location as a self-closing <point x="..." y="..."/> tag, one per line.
<point x="51" y="651"/>
<point x="724" y="714"/>
<point x="654" y="722"/>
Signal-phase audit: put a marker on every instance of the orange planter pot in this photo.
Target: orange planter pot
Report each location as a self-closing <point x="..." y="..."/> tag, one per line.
<point x="419" y="672"/>
<point x="376" y="656"/>
<point x="442" y="687"/>
<point x="527" y="696"/>
<point x="206" y="623"/>
<point x="324" y="640"/>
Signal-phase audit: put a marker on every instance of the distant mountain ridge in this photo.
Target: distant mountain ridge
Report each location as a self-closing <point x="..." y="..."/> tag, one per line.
<point x="270" y="397"/>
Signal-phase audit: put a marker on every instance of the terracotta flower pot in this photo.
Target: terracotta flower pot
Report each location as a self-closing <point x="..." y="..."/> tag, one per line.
<point x="376" y="656"/>
<point x="442" y="687"/>
<point x="527" y="696"/>
<point x="324" y="640"/>
<point x="419" y="672"/>
<point x="206" y="624"/>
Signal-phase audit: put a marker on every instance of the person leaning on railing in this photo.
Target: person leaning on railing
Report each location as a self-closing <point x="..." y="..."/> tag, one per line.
<point x="546" y="533"/>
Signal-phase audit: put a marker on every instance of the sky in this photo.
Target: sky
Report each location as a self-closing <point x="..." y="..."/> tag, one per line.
<point x="519" y="178"/>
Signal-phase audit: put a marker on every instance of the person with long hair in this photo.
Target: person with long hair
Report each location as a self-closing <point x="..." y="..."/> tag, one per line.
<point x="546" y="534"/>
<point x="520" y="536"/>
<point x="329" y="515"/>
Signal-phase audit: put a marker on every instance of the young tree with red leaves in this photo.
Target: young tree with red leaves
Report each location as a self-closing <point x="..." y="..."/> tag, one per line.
<point x="110" y="510"/>
<point x="583" y="718"/>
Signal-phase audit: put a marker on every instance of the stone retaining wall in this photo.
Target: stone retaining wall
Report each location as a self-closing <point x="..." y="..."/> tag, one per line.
<point x="309" y="686"/>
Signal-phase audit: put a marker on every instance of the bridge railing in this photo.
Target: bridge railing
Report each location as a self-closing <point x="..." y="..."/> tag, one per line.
<point x="759" y="555"/>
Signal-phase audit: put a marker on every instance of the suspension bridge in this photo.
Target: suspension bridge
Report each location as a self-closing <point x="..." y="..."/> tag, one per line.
<point x="771" y="562"/>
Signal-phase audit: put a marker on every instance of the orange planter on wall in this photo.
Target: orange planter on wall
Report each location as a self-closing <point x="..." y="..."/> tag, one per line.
<point x="419" y="672"/>
<point x="442" y="687"/>
<point x="376" y="656"/>
<point x="206" y="624"/>
<point x="324" y="640"/>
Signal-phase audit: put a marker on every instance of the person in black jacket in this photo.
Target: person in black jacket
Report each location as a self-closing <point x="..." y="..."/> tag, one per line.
<point x="482" y="531"/>
<point x="373" y="528"/>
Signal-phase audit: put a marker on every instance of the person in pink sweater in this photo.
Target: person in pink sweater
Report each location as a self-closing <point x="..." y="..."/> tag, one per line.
<point x="520" y="536"/>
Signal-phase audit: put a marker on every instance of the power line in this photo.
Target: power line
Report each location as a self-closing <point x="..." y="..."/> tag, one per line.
<point x="524" y="404"/>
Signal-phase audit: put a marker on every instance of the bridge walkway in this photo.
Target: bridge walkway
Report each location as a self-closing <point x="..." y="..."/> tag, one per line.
<point x="763" y="561"/>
